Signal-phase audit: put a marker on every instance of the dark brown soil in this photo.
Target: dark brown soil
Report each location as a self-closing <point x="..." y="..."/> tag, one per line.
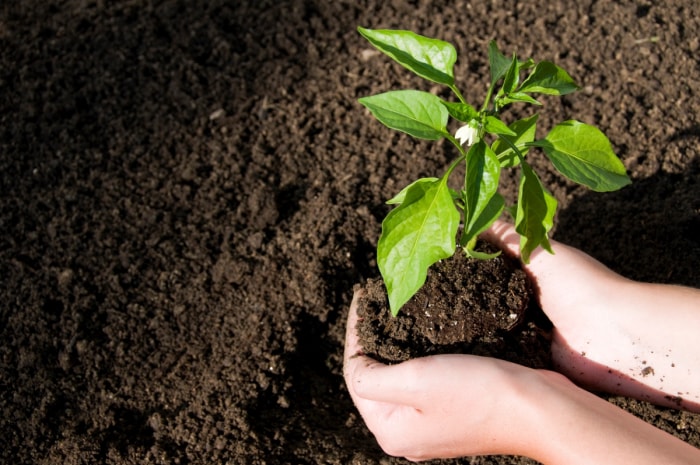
<point x="189" y="192"/>
<point x="466" y="305"/>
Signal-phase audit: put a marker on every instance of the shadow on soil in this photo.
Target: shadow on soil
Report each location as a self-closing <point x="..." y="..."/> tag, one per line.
<point x="659" y="244"/>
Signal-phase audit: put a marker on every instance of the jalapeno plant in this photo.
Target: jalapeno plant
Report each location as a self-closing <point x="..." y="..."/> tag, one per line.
<point x="424" y="225"/>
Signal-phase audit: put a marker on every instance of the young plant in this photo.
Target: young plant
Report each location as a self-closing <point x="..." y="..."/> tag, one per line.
<point x="423" y="228"/>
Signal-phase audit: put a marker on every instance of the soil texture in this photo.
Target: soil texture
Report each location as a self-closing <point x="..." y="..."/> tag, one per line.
<point x="466" y="306"/>
<point x="189" y="191"/>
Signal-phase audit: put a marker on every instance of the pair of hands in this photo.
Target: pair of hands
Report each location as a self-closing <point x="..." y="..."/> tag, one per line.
<point x="457" y="405"/>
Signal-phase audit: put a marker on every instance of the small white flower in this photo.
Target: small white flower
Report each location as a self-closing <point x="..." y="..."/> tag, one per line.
<point x="467" y="134"/>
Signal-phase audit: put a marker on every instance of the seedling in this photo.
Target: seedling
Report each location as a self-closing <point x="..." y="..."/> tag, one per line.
<point x="423" y="227"/>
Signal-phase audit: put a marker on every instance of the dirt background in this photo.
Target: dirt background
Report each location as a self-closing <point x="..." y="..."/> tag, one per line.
<point x="189" y="191"/>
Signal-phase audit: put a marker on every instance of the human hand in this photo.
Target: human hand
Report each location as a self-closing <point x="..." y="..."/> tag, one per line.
<point x="609" y="332"/>
<point x="448" y="406"/>
<point x="440" y="406"/>
<point x="571" y="286"/>
<point x="577" y="294"/>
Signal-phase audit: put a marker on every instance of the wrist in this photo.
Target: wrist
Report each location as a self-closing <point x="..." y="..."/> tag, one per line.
<point x="549" y="409"/>
<point x="534" y="393"/>
<point x="523" y="411"/>
<point x="570" y="425"/>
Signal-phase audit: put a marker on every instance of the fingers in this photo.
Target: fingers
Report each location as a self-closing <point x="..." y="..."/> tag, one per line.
<point x="377" y="382"/>
<point x="352" y="343"/>
<point x="368" y="379"/>
<point x="503" y="236"/>
<point x="363" y="375"/>
<point x="353" y="360"/>
<point x="413" y="383"/>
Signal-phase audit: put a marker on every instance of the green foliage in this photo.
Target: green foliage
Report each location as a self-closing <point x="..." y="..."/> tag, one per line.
<point x="423" y="226"/>
<point x="583" y="154"/>
<point x="548" y="78"/>
<point x="534" y="213"/>
<point x="508" y="148"/>
<point x="431" y="59"/>
<point x="417" y="113"/>
<point x="461" y="111"/>
<point x="482" y="202"/>
<point x="416" y="234"/>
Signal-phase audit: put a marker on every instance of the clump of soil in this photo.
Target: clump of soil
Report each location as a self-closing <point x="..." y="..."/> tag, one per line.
<point x="481" y="307"/>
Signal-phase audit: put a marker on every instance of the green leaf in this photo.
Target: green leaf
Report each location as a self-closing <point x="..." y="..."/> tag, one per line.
<point x="482" y="203"/>
<point x="524" y="130"/>
<point x="583" y="154"/>
<point x="461" y="111"/>
<point x="494" y="125"/>
<point x="431" y="59"/>
<point x="525" y="65"/>
<point x="414" y="112"/>
<point x="480" y="255"/>
<point x="498" y="63"/>
<point x="493" y="210"/>
<point x="421" y="184"/>
<point x="416" y="234"/>
<point x="512" y="76"/>
<point x="516" y="97"/>
<point x="548" y="78"/>
<point x="534" y="216"/>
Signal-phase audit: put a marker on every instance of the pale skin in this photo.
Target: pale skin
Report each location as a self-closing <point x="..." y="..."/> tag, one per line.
<point x="611" y="334"/>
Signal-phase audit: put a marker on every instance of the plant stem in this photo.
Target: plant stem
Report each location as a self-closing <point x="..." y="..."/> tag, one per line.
<point x="458" y="93"/>
<point x="456" y="143"/>
<point x="517" y="151"/>
<point x="461" y="158"/>
<point x="488" y="97"/>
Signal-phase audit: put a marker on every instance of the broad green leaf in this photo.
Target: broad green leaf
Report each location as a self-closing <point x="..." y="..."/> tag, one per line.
<point x="494" y="125"/>
<point x="421" y="184"/>
<point x="482" y="203"/>
<point x="493" y="210"/>
<point x="534" y="216"/>
<point x="431" y="59"/>
<point x="416" y="234"/>
<point x="414" y="112"/>
<point x="583" y="154"/>
<point x="548" y="78"/>
<point x="481" y="181"/>
<point x="512" y="76"/>
<point x="524" y="130"/>
<point x="461" y="111"/>
<point x="498" y="63"/>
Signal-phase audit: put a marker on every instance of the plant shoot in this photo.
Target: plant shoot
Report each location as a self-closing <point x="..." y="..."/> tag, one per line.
<point x="424" y="225"/>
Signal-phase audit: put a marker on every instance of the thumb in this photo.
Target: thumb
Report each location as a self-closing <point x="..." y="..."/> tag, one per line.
<point x="503" y="235"/>
<point x="369" y="379"/>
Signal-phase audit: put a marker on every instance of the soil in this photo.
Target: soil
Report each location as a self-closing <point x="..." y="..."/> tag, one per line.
<point x="469" y="306"/>
<point x="190" y="191"/>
